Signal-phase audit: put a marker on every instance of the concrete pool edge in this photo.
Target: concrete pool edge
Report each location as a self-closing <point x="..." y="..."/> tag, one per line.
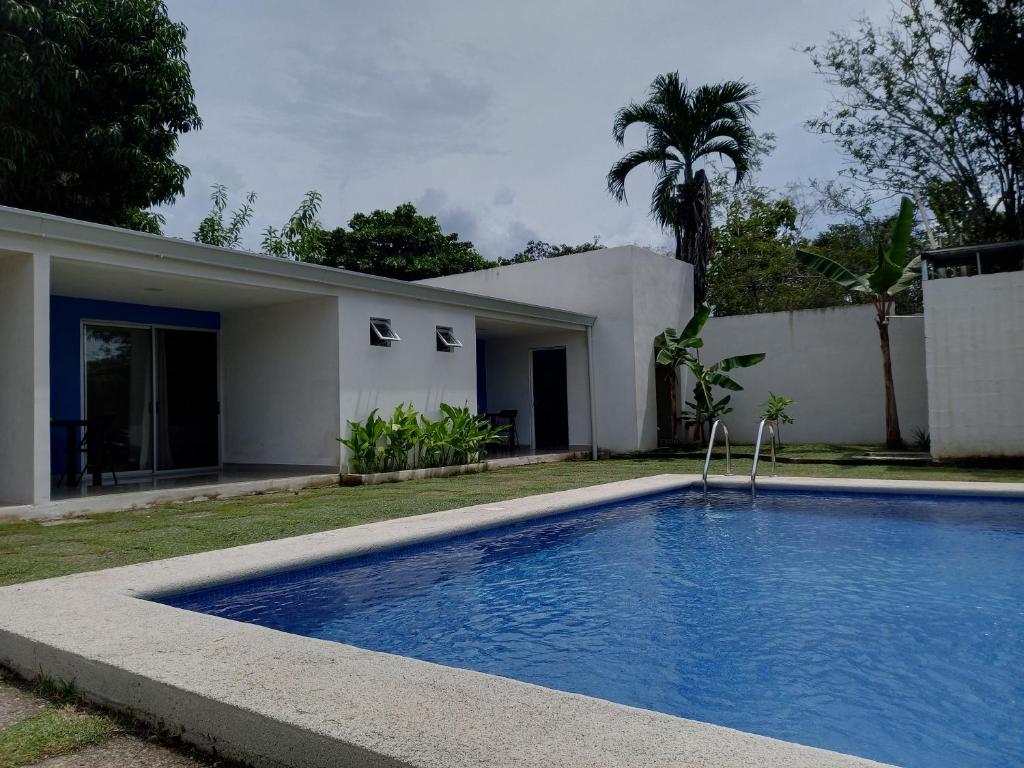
<point x="282" y="700"/>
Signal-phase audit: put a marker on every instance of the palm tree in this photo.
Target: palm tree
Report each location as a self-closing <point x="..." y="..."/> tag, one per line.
<point x="892" y="275"/>
<point x="684" y="126"/>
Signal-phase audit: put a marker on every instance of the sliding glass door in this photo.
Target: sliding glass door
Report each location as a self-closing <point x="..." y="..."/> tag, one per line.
<point x="119" y="392"/>
<point x="156" y="391"/>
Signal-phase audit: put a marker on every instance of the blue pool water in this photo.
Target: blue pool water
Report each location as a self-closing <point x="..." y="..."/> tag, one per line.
<point x="885" y="626"/>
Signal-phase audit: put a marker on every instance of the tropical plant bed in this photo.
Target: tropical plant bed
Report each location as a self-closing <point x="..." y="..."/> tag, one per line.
<point x="377" y="478"/>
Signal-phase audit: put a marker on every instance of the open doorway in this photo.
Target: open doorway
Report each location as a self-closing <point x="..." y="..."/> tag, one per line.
<point x="550" y="400"/>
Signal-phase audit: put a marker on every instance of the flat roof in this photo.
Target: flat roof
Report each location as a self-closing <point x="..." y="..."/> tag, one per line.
<point x="960" y="251"/>
<point x="48" y="226"/>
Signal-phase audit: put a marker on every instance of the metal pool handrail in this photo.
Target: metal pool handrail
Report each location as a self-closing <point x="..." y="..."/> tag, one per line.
<point x="711" y="446"/>
<point x="757" y="453"/>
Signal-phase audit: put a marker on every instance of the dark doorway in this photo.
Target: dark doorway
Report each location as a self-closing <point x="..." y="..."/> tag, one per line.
<point x="550" y="399"/>
<point x="187" y="401"/>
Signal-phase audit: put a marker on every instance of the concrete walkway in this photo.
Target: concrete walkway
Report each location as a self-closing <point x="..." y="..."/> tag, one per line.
<point x="121" y="750"/>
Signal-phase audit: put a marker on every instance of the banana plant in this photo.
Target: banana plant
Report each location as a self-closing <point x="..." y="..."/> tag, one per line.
<point x="682" y="348"/>
<point x="892" y="275"/>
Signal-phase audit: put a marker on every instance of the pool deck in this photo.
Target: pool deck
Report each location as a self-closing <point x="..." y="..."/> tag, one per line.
<point x="274" y="699"/>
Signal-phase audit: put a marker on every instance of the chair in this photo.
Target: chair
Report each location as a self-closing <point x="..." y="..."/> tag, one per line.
<point x="509" y="417"/>
<point x="98" y="457"/>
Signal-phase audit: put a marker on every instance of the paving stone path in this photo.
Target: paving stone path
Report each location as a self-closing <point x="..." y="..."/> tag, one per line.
<point x="122" y="750"/>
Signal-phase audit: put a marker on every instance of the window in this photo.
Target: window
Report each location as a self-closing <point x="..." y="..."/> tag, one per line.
<point x="447" y="341"/>
<point x="381" y="333"/>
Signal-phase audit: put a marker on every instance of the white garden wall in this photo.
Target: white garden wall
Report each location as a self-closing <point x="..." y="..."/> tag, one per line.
<point x="829" y="361"/>
<point x="280" y="395"/>
<point x="974" y="330"/>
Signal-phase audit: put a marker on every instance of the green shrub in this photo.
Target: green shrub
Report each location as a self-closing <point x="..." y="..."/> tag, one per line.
<point x="410" y="440"/>
<point x="368" y="454"/>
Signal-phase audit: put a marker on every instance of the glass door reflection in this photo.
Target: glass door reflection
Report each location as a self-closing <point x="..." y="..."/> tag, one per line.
<point x="119" y="392"/>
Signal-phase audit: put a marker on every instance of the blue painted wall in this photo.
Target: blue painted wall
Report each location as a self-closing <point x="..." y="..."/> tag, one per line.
<point x="481" y="376"/>
<point x="66" y="316"/>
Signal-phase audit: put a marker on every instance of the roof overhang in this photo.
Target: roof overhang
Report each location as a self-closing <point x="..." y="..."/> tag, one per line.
<point x="57" y="229"/>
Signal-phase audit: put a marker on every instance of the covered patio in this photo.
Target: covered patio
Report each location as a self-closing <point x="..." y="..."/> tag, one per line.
<point x="534" y="378"/>
<point x="156" y="360"/>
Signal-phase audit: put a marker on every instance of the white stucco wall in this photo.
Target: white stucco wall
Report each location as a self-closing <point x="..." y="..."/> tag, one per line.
<point x="508" y="363"/>
<point x="411" y="370"/>
<point x="974" y="338"/>
<point x="829" y="361"/>
<point x="24" y="378"/>
<point x="635" y="293"/>
<point x="280" y="392"/>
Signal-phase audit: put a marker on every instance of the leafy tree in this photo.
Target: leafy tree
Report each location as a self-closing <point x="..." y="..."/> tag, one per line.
<point x="93" y="97"/>
<point x="892" y="274"/>
<point x="400" y="244"/>
<point x="537" y="249"/>
<point x="682" y="348"/>
<point x="752" y="268"/>
<point x="685" y="126"/>
<point x="302" y="238"/>
<point x="213" y="231"/>
<point x="933" y="102"/>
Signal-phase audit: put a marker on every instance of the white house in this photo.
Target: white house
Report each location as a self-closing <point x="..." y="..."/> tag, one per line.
<point x="201" y="358"/>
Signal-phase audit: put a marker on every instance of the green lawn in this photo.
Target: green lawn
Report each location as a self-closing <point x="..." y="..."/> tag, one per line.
<point x="34" y="551"/>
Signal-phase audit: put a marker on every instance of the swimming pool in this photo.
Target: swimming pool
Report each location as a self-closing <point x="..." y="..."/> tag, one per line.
<point x="887" y="626"/>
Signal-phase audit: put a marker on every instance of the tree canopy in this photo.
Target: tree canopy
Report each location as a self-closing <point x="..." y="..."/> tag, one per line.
<point x="932" y="103"/>
<point x="685" y="125"/>
<point x="536" y="250"/>
<point x="401" y="244"/>
<point x="93" y="97"/>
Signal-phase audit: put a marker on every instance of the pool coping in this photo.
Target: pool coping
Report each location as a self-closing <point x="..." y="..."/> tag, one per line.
<point x="274" y="699"/>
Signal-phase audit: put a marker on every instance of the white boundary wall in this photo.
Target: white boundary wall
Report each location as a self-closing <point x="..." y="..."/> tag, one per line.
<point x="829" y="361"/>
<point x="974" y="327"/>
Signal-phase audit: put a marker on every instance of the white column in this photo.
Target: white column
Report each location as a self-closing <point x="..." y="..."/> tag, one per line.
<point x="24" y="378"/>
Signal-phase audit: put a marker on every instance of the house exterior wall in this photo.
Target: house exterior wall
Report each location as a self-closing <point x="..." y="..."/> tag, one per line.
<point x="509" y="380"/>
<point x="280" y="393"/>
<point x="66" y="317"/>
<point x="636" y="293"/>
<point x="829" y="361"/>
<point x="974" y="341"/>
<point x="410" y="370"/>
<point x="24" y="378"/>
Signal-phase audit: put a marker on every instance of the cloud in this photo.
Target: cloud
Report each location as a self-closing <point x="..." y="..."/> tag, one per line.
<point x="504" y="196"/>
<point x="503" y="110"/>
<point x="493" y="232"/>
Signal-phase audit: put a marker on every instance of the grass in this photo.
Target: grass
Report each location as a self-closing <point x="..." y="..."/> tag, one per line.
<point x="65" y="727"/>
<point x="31" y="551"/>
<point x="50" y="733"/>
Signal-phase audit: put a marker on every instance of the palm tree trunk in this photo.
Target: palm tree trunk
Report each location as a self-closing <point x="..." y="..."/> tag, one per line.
<point x="893" y="438"/>
<point x="694" y="219"/>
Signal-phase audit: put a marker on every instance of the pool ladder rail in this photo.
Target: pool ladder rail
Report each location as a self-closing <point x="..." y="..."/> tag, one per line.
<point x="711" y="446"/>
<point x="757" y="453"/>
<point x="728" y="453"/>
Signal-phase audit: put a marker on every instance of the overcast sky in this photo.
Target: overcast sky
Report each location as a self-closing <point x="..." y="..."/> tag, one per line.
<point x="495" y="117"/>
